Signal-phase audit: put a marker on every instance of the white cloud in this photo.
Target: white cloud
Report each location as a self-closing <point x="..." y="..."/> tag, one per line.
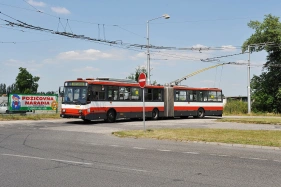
<point x="36" y="3"/>
<point x="90" y="54"/>
<point x="60" y="10"/>
<point x="29" y="65"/>
<point x="138" y="56"/>
<point x="88" y="68"/>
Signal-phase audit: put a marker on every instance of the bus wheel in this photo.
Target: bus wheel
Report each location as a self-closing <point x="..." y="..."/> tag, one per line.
<point x="200" y="113"/>
<point x="86" y="120"/>
<point x="155" y="114"/>
<point x="111" y="116"/>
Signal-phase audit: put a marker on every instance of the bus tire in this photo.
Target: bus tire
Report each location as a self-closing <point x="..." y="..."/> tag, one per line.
<point x="200" y="113"/>
<point x="111" y="116"/>
<point x="155" y="114"/>
<point x="86" y="120"/>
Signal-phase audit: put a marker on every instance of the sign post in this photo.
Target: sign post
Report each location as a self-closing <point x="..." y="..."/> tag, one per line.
<point x="142" y="83"/>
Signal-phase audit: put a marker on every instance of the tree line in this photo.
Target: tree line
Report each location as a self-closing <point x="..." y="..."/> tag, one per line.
<point x="266" y="88"/>
<point x="25" y="83"/>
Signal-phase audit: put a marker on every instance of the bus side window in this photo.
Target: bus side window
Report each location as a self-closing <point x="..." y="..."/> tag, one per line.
<point x="135" y="94"/>
<point x="188" y="96"/>
<point x="96" y="96"/>
<point x="176" y="95"/>
<point x="148" y="94"/>
<point x="194" y="96"/>
<point x="127" y="94"/>
<point x="200" y="95"/>
<point x="182" y="95"/>
<point x="112" y="93"/>
<point x="121" y="93"/>
<point x="157" y="94"/>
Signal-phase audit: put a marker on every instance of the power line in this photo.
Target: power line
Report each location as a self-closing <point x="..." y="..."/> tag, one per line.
<point x="88" y="22"/>
<point x="35" y="41"/>
<point x="32" y="6"/>
<point x="130" y="31"/>
<point x="117" y="42"/>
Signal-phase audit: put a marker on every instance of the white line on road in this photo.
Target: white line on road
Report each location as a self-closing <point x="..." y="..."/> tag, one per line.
<point x="40" y="158"/>
<point x="71" y="162"/>
<point x="256" y="158"/>
<point x="138" y="148"/>
<point x="194" y="153"/>
<point x="164" y="150"/>
<point x="116" y="145"/>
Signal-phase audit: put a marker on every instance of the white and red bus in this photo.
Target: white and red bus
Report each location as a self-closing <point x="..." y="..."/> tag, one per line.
<point x="111" y="99"/>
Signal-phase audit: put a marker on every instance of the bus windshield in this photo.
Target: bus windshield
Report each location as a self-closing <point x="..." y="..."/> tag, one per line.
<point x="75" y="95"/>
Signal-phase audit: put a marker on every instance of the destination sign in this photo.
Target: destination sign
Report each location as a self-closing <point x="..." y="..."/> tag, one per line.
<point x="76" y="84"/>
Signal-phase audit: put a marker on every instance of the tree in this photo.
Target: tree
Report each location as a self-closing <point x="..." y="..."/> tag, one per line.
<point x="266" y="88"/>
<point x="12" y="89"/>
<point x="3" y="89"/>
<point x="139" y="70"/>
<point x="25" y="82"/>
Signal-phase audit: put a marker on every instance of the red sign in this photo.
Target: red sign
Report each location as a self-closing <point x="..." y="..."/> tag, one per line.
<point x="142" y="80"/>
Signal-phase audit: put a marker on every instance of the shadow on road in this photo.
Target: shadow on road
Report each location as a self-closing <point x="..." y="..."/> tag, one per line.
<point x="93" y="122"/>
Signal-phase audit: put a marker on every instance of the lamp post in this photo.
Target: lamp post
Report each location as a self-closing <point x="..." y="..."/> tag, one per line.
<point x="165" y="16"/>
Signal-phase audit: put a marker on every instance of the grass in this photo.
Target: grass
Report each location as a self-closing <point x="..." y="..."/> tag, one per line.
<point x="274" y="121"/>
<point x="249" y="137"/>
<point x="9" y="117"/>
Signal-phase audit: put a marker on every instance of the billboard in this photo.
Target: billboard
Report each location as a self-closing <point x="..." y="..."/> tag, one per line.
<point x="24" y="102"/>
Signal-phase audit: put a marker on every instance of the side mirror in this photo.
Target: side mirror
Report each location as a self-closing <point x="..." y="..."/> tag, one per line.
<point x="61" y="91"/>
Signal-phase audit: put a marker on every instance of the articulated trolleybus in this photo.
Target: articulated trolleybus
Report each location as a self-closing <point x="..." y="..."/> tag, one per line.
<point x="111" y="99"/>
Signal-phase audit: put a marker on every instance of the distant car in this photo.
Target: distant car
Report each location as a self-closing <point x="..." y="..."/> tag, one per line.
<point x="4" y="107"/>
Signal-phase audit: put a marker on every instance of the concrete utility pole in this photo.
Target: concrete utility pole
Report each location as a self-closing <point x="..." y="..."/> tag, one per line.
<point x="165" y="16"/>
<point x="249" y="63"/>
<point x="249" y="82"/>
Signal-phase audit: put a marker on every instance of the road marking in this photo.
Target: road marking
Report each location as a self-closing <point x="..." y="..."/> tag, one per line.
<point x="256" y="158"/>
<point x="277" y="160"/>
<point x="194" y="153"/>
<point x="73" y="162"/>
<point x="164" y="150"/>
<point x="138" y="148"/>
<point x="40" y="158"/>
<point x="223" y="155"/>
<point x="116" y="145"/>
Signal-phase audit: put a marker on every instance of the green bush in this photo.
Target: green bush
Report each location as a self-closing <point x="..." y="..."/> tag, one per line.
<point x="235" y="107"/>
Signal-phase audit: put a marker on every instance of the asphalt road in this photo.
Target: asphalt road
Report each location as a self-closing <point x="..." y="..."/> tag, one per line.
<point x="73" y="153"/>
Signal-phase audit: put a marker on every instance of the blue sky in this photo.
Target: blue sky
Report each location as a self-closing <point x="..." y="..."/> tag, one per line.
<point x="192" y="23"/>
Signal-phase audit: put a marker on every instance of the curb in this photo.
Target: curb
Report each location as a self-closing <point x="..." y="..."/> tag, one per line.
<point x="238" y="145"/>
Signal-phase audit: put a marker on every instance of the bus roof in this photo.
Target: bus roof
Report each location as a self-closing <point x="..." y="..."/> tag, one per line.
<point x="128" y="82"/>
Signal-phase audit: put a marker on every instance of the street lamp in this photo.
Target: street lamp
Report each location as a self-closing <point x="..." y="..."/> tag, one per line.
<point x="165" y="16"/>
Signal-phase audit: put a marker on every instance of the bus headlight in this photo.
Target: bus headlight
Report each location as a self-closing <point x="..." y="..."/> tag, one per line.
<point x="63" y="110"/>
<point x="80" y="111"/>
